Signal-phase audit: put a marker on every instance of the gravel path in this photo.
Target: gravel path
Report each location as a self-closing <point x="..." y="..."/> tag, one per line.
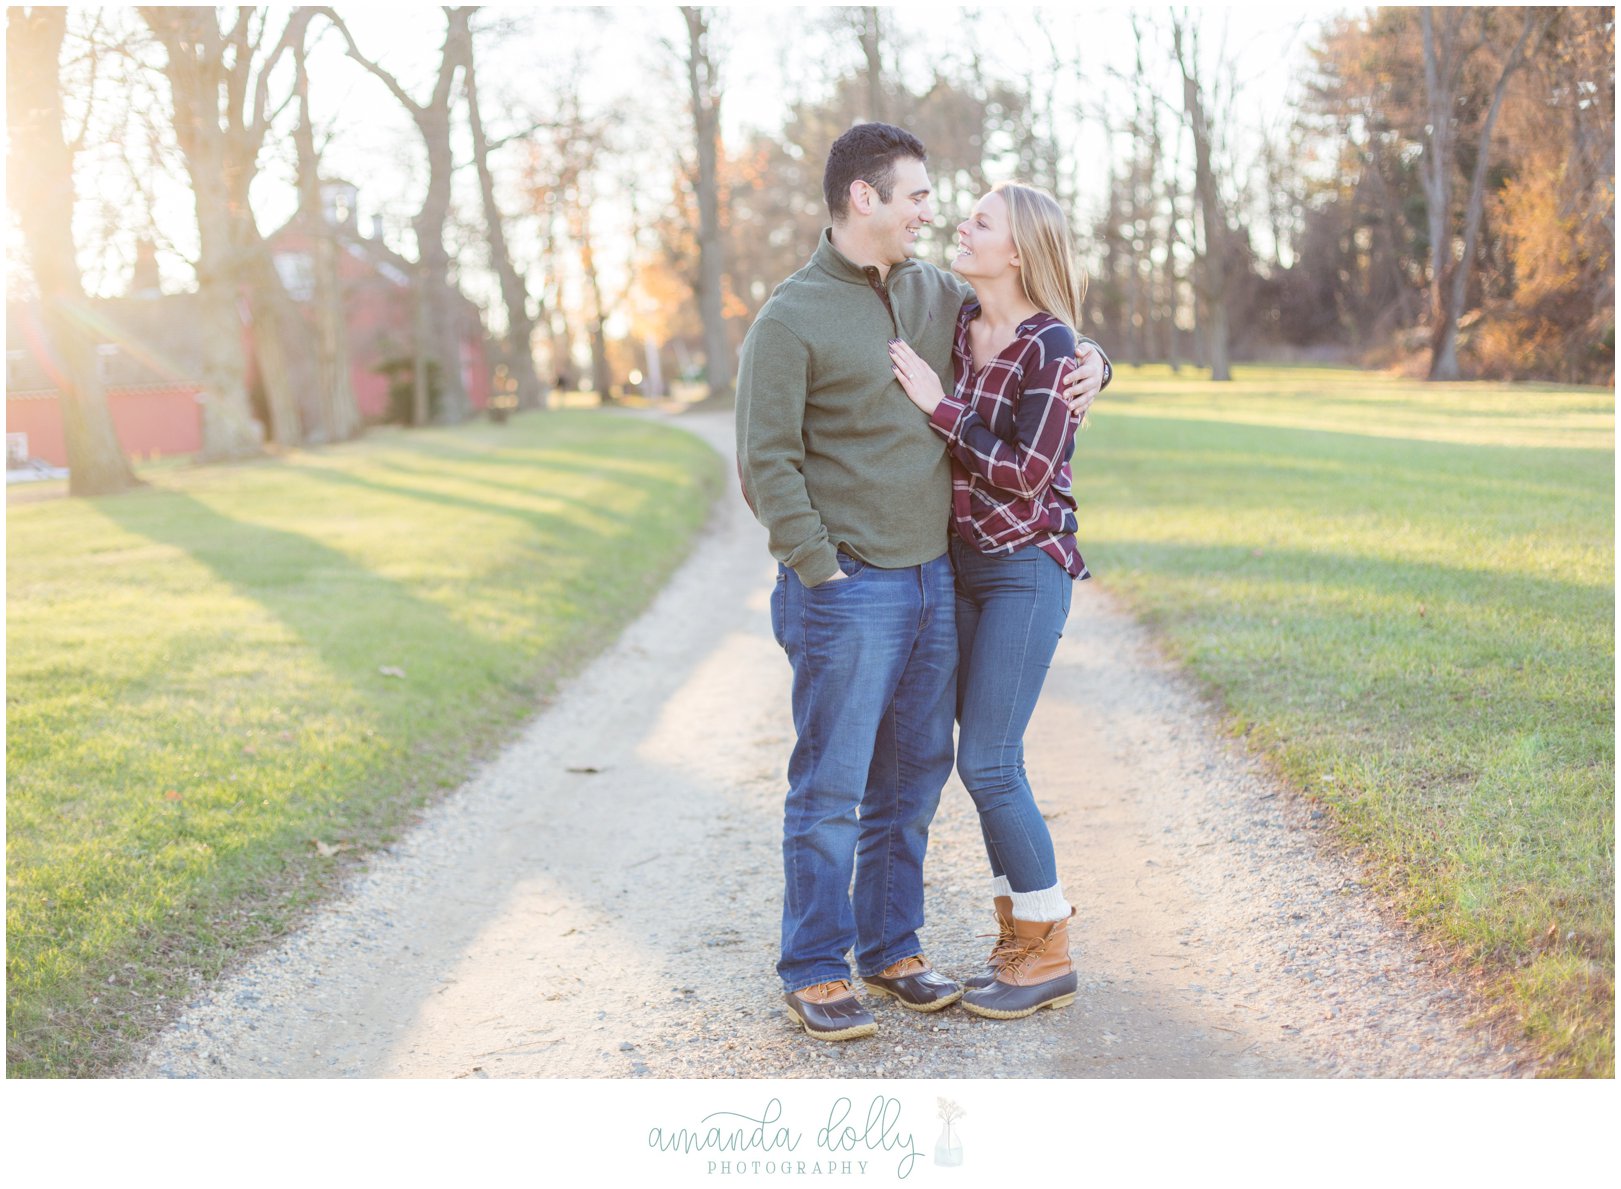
<point x="602" y="900"/>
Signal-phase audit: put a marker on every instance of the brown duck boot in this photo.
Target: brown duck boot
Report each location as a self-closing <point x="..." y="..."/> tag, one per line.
<point x="1036" y="972"/>
<point x="1004" y="938"/>
<point x="914" y="984"/>
<point x="831" y="1011"/>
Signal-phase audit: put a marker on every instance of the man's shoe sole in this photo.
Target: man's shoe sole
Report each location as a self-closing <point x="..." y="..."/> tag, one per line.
<point x="855" y="1032"/>
<point x="936" y="1005"/>
<point x="992" y="1013"/>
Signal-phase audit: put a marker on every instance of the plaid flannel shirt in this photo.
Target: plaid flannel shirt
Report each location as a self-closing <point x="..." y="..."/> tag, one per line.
<point x="1010" y="436"/>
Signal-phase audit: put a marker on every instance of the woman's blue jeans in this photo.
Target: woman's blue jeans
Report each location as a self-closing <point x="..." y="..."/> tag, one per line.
<point x="874" y="656"/>
<point x="1011" y="610"/>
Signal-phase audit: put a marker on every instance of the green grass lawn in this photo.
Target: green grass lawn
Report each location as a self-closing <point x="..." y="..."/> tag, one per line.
<point x="221" y="688"/>
<point x="1405" y="594"/>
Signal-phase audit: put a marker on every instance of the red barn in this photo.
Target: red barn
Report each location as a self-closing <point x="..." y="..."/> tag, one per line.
<point x="379" y="298"/>
<point x="148" y="352"/>
<point x="148" y="360"/>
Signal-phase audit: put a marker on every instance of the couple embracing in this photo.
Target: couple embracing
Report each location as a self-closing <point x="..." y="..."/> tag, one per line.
<point x="904" y="433"/>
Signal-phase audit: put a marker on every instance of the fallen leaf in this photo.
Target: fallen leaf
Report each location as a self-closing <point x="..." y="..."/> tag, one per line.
<point x="391" y="671"/>
<point x="171" y="795"/>
<point x="1421" y="611"/>
<point x="584" y="771"/>
<point x="327" y="850"/>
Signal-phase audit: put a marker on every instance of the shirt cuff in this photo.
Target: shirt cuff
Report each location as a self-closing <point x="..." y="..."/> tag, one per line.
<point x="819" y="566"/>
<point x="947" y="417"/>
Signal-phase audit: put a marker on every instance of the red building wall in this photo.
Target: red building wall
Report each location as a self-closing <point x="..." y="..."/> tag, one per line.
<point x="380" y="318"/>
<point x="150" y="421"/>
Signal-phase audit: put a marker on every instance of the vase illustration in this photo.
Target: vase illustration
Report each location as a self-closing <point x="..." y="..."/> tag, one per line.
<point x="948" y="1148"/>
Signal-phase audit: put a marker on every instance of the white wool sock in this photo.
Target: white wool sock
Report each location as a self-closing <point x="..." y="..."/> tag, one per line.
<point x="1046" y="905"/>
<point x="1000" y="886"/>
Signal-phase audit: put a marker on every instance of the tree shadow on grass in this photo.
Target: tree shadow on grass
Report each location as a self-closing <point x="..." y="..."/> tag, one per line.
<point x="551" y="457"/>
<point x="1381" y="576"/>
<point x="552" y="528"/>
<point x="1330" y="455"/>
<point x="299" y="580"/>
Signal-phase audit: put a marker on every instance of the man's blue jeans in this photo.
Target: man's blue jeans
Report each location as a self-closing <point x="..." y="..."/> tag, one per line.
<point x="874" y="658"/>
<point x="1011" y="610"/>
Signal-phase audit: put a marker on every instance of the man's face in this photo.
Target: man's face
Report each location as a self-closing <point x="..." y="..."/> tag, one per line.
<point x="896" y="223"/>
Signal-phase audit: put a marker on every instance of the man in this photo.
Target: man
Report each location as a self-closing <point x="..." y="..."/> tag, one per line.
<point x="855" y="489"/>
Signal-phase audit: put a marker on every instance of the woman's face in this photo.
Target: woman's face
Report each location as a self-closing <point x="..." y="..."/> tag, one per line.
<point x="985" y="240"/>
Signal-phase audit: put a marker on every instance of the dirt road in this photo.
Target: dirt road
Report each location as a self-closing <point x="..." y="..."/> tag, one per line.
<point x="602" y="900"/>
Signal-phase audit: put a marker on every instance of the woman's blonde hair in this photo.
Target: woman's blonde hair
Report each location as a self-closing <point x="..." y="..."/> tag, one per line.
<point x="1052" y="279"/>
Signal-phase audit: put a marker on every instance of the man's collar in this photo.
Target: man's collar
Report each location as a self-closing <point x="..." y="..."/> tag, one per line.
<point x="835" y="263"/>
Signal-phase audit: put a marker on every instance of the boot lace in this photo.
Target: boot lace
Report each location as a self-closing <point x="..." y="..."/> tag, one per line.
<point x="1006" y="941"/>
<point x="1021" y="954"/>
<point x="822" y="992"/>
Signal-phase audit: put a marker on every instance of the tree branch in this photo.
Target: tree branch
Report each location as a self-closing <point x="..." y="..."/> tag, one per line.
<point x="77" y="143"/>
<point x="297" y="24"/>
<point x="387" y="79"/>
<point x="524" y="133"/>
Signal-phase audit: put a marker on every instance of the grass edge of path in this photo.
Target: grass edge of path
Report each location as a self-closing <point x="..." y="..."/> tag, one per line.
<point x="230" y="921"/>
<point x="1508" y="1006"/>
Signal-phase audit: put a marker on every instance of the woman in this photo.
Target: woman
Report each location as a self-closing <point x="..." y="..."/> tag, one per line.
<point x="1010" y="436"/>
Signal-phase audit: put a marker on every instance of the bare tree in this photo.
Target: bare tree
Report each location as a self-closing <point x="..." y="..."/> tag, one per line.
<point x="580" y="232"/>
<point x="1447" y="50"/>
<point x="869" y="28"/>
<point x="584" y="147"/>
<point x="553" y="313"/>
<point x="338" y="414"/>
<point x="42" y="194"/>
<point x="519" y="352"/>
<point x="438" y="314"/>
<point x="221" y="115"/>
<point x="703" y="81"/>
<point x="1212" y="261"/>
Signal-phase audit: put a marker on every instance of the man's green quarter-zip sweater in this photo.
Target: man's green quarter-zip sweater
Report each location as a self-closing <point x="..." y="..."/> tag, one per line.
<point x="831" y="452"/>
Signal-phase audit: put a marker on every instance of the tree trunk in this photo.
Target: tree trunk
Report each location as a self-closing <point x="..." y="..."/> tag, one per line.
<point x="870" y="31"/>
<point x="705" y="100"/>
<point x="338" y="413"/>
<point x="519" y="353"/>
<point x="553" y="316"/>
<point x="1213" y="260"/>
<point x="192" y="42"/>
<point x="422" y="348"/>
<point x="334" y="383"/>
<point x="442" y="339"/>
<point x="438" y="334"/>
<point x="208" y="67"/>
<point x="274" y="320"/>
<point x="229" y="428"/>
<point x="43" y="198"/>
<point x="1440" y="77"/>
<point x="601" y="373"/>
<point x="1451" y="294"/>
<point x="1139" y="214"/>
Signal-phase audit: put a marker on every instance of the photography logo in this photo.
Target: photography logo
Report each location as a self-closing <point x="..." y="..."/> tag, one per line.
<point x="850" y="1141"/>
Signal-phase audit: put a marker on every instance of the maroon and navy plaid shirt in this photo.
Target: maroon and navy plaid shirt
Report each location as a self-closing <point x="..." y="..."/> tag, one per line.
<point x="1010" y="436"/>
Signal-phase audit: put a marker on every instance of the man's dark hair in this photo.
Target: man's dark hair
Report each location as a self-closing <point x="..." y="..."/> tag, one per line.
<point x="868" y="152"/>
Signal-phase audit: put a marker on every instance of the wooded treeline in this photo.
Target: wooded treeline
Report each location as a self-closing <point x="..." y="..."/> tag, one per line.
<point x="1437" y="194"/>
